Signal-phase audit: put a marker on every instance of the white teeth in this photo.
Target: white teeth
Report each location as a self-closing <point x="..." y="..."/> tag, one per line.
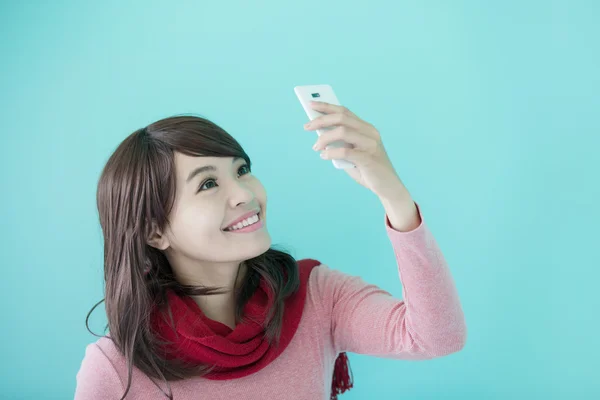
<point x="244" y="223"/>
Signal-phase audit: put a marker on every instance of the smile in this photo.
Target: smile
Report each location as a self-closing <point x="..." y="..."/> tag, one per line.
<point x="249" y="224"/>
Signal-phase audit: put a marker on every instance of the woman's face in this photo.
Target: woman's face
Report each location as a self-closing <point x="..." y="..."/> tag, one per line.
<point x="211" y="193"/>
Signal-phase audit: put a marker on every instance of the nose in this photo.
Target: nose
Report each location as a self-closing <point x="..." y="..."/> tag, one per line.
<point x="239" y="193"/>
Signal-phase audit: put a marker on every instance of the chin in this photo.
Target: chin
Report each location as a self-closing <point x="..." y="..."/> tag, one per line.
<point x="264" y="245"/>
<point x="255" y="248"/>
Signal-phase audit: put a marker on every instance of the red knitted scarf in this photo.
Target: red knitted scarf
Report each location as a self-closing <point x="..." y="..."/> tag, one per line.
<point x="244" y="350"/>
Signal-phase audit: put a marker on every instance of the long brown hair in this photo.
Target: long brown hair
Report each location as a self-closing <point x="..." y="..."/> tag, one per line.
<point x="137" y="188"/>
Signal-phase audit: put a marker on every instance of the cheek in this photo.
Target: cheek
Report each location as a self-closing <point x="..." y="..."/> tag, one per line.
<point x="194" y="226"/>
<point x="259" y="191"/>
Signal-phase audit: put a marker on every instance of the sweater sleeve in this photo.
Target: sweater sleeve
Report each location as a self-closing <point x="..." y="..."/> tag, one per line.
<point x="366" y="319"/>
<point x="97" y="378"/>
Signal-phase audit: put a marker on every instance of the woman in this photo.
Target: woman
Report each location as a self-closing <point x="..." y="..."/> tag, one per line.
<point x="200" y="307"/>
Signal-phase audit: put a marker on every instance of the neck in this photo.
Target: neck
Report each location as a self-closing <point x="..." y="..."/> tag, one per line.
<point x="218" y="307"/>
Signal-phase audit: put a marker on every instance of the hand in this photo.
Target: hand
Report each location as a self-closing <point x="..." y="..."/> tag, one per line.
<point x="373" y="170"/>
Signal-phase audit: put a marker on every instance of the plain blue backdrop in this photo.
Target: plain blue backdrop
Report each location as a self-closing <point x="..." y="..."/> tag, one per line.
<point x="490" y="112"/>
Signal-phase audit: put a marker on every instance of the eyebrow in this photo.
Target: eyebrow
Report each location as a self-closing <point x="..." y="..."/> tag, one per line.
<point x="206" y="168"/>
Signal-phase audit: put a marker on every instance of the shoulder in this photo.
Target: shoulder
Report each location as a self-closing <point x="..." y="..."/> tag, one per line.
<point x="321" y="277"/>
<point x="102" y="357"/>
<point x="325" y="284"/>
<point x="108" y="348"/>
<point x="97" y="376"/>
<point x="330" y="288"/>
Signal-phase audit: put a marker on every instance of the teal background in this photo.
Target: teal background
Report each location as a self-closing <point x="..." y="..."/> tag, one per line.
<point x="489" y="111"/>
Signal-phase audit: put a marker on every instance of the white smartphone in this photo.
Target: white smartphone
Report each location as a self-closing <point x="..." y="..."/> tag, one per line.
<point x="308" y="93"/>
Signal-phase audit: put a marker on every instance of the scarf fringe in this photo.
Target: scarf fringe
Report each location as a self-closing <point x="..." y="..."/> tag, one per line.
<point x="342" y="380"/>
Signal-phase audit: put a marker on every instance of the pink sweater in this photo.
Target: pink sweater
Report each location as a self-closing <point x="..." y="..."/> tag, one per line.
<point x="342" y="313"/>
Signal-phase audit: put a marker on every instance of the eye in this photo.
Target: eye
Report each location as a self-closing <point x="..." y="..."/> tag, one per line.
<point x="208" y="184"/>
<point x="245" y="167"/>
<point x="205" y="183"/>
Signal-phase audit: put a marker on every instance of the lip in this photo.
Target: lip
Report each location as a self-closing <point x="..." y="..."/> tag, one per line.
<point x="241" y="218"/>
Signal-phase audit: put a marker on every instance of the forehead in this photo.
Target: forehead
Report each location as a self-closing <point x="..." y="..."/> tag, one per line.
<point x="185" y="163"/>
<point x="185" y="166"/>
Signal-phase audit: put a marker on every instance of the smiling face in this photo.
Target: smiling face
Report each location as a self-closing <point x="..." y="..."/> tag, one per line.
<point x="211" y="193"/>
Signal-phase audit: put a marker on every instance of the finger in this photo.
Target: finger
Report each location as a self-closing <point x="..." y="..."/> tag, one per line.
<point x="329" y="108"/>
<point x="336" y="119"/>
<point x="350" y="136"/>
<point x="357" y="157"/>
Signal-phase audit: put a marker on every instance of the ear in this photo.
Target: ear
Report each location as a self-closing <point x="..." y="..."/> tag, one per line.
<point x="157" y="239"/>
